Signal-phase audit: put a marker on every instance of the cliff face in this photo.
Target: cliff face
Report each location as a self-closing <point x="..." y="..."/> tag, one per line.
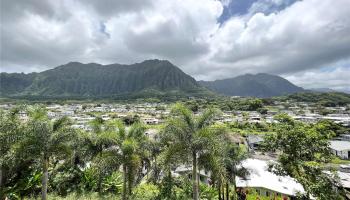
<point x="77" y="79"/>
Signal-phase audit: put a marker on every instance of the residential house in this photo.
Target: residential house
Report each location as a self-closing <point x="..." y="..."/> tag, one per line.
<point x="254" y="142"/>
<point x="266" y="183"/>
<point x="204" y="175"/>
<point x="340" y="148"/>
<point x="151" y="121"/>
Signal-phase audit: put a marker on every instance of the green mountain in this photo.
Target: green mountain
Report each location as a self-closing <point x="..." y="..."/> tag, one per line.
<point x="148" y="78"/>
<point x="259" y="85"/>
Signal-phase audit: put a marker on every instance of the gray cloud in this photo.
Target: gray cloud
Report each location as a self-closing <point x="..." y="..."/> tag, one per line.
<point x="14" y="10"/>
<point x="300" y="39"/>
<point x="166" y="41"/>
<point x="280" y="43"/>
<point x="111" y="8"/>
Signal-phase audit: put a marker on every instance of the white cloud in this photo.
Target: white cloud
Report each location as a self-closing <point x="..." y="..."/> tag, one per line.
<point x="308" y="34"/>
<point x="337" y="78"/>
<point x="178" y="31"/>
<point x="305" y="36"/>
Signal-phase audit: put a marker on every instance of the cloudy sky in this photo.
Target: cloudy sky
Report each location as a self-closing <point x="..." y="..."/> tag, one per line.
<point x="307" y="42"/>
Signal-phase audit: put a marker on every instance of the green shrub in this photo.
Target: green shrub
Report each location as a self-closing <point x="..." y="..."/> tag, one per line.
<point x="113" y="183"/>
<point x="145" y="191"/>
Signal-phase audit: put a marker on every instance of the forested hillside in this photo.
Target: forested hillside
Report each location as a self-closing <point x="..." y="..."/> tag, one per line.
<point x="259" y="85"/>
<point x="150" y="77"/>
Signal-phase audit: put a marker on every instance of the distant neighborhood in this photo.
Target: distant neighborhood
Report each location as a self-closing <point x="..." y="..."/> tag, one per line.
<point x="263" y="182"/>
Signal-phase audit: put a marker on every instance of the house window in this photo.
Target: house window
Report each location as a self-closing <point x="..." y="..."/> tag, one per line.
<point x="257" y="191"/>
<point x="267" y="193"/>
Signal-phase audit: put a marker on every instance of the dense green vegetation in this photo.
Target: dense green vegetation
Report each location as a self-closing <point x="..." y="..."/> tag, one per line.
<point x="41" y="155"/>
<point x="113" y="161"/>
<point x="227" y="104"/>
<point x="324" y="99"/>
<point x="304" y="151"/>
<point x="259" y="85"/>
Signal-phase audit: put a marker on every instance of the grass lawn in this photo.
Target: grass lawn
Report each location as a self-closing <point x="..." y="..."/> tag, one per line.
<point x="255" y="197"/>
<point x="337" y="160"/>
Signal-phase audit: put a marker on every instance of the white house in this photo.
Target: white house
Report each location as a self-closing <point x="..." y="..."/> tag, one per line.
<point x="267" y="184"/>
<point x="151" y="121"/>
<point x="340" y="148"/>
<point x="203" y="175"/>
<point x="346" y="137"/>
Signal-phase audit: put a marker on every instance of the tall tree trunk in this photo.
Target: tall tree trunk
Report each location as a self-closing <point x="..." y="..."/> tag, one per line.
<point x="156" y="174"/>
<point x="234" y="187"/>
<point x="219" y="191"/>
<point x="195" y="176"/>
<point x="45" y="178"/>
<point x="169" y="185"/>
<point x="1" y="172"/>
<point x="125" y="195"/>
<point x="227" y="191"/>
<point x="223" y="191"/>
<point x="130" y="181"/>
<point x="1" y="183"/>
<point x="99" y="181"/>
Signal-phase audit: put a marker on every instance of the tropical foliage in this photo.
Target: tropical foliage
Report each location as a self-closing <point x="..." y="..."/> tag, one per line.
<point x="48" y="159"/>
<point x="304" y="150"/>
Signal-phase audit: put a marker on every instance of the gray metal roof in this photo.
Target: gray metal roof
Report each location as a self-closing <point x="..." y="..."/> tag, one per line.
<point x="255" y="139"/>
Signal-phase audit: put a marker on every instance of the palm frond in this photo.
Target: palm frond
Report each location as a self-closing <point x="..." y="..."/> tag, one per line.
<point x="61" y="122"/>
<point x="38" y="113"/>
<point x="207" y="117"/>
<point x="96" y="124"/>
<point x="137" y="131"/>
<point x="107" y="138"/>
<point x="179" y="110"/>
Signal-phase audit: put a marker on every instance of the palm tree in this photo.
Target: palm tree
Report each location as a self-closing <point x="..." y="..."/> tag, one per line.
<point x="153" y="168"/>
<point x="192" y="137"/>
<point x="215" y="163"/>
<point x="99" y="139"/>
<point x="233" y="156"/>
<point x="46" y="139"/>
<point x="126" y="150"/>
<point x="10" y="133"/>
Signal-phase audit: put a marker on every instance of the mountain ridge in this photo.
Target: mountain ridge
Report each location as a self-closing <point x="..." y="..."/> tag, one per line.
<point x="255" y="85"/>
<point x="146" y="79"/>
<point x="93" y="79"/>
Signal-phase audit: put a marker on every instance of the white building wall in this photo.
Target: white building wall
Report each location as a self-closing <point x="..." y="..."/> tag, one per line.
<point x="263" y="192"/>
<point x="342" y="154"/>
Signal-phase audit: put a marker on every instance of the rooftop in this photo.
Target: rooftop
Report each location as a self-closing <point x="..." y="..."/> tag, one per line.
<point x="260" y="177"/>
<point x="340" y="145"/>
<point x="344" y="179"/>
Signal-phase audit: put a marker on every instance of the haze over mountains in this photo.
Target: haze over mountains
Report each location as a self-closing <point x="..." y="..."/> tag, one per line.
<point x="150" y="77"/>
